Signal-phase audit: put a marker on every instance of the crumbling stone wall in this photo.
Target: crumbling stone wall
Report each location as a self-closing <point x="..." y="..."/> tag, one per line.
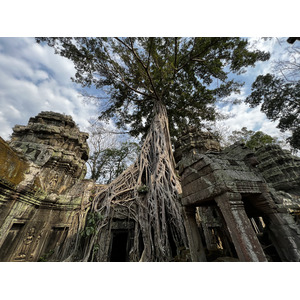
<point x="281" y="170"/>
<point x="44" y="199"/>
<point x="238" y="202"/>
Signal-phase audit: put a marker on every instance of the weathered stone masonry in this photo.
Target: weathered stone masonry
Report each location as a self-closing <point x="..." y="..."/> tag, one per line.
<point x="43" y="195"/>
<point x="238" y="204"/>
<point x="242" y="198"/>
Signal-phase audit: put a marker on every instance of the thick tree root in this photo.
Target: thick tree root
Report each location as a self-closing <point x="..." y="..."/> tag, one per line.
<point x="147" y="193"/>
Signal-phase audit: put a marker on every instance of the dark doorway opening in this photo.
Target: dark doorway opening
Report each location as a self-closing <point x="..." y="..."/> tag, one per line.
<point x="257" y="212"/>
<point x="214" y="233"/>
<point x="119" y="251"/>
<point x="11" y="241"/>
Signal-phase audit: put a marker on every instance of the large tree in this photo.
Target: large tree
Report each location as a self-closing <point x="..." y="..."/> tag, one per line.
<point x="157" y="86"/>
<point x="280" y="100"/>
<point x="186" y="75"/>
<point x="279" y="93"/>
<point x="109" y="155"/>
<point x="251" y="139"/>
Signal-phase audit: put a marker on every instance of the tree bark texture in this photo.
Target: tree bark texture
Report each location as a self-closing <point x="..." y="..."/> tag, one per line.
<point x="146" y="193"/>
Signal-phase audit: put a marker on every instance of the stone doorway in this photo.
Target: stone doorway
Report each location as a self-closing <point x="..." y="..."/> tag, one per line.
<point x="258" y="210"/>
<point x="120" y="246"/>
<point x="214" y="233"/>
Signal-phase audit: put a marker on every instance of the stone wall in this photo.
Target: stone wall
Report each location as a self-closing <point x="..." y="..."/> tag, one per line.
<point x="280" y="169"/>
<point x="43" y="197"/>
<point x="238" y="204"/>
<point x="238" y="199"/>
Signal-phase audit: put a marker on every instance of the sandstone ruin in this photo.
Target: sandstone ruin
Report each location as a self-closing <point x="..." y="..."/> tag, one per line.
<point x="43" y="193"/>
<point x="237" y="204"/>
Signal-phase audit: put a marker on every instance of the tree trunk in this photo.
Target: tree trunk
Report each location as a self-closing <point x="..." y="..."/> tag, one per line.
<point x="147" y="193"/>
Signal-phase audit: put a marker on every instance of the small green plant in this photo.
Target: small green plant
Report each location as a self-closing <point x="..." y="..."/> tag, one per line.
<point x="46" y="256"/>
<point x="93" y="218"/>
<point x="96" y="248"/>
<point x="143" y="189"/>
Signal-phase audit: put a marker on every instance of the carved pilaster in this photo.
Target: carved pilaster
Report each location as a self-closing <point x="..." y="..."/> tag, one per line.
<point x="243" y="236"/>
<point x="195" y="243"/>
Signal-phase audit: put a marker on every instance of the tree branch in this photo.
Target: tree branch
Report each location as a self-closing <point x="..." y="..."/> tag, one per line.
<point x="117" y="74"/>
<point x="193" y="58"/>
<point x="131" y="48"/>
<point x="150" y="48"/>
<point x="175" y="57"/>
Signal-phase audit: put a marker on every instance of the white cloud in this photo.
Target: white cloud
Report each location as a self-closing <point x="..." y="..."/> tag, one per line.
<point x="243" y="115"/>
<point x="277" y="47"/>
<point x="252" y="118"/>
<point x="34" y="79"/>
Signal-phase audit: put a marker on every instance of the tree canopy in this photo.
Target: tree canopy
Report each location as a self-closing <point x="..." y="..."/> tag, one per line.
<point x="280" y="101"/>
<point x="279" y="94"/>
<point x="251" y="139"/>
<point x="111" y="162"/>
<point x="157" y="86"/>
<point x="186" y="75"/>
<point x="109" y="156"/>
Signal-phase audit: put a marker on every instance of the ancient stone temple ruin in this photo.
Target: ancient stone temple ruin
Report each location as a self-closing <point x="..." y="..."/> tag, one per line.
<point x="237" y="204"/>
<point x="240" y="205"/>
<point x="42" y="191"/>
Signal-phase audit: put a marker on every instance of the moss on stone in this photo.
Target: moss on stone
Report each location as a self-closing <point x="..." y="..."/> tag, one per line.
<point x="12" y="167"/>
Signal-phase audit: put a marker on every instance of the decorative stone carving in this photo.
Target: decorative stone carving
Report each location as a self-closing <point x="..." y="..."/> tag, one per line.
<point x="53" y="142"/>
<point x="42" y="188"/>
<point x="238" y="204"/>
<point x="247" y="187"/>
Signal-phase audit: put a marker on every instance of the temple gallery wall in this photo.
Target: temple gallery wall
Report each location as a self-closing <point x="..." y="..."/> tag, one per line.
<point x="237" y="204"/>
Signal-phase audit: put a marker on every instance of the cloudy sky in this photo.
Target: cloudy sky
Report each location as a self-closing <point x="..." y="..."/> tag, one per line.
<point x="34" y="79"/>
<point x="253" y="118"/>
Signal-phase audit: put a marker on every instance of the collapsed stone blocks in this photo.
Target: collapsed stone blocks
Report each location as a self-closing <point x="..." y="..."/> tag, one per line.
<point x="247" y="200"/>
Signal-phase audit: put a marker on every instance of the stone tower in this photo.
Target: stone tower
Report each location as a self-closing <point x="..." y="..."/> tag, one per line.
<point x="53" y="142"/>
<point x="43" y="195"/>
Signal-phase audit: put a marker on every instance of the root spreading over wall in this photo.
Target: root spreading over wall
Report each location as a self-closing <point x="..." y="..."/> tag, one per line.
<point x="147" y="194"/>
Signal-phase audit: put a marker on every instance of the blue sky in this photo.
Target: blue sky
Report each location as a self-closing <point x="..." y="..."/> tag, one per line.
<point x="34" y="79"/>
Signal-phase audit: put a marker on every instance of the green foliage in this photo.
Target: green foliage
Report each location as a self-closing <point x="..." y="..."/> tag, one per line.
<point x="111" y="162"/>
<point x="280" y="101"/>
<point x="186" y="75"/>
<point x="96" y="247"/>
<point x="143" y="189"/>
<point x="251" y="139"/>
<point x="259" y="139"/>
<point x="46" y="256"/>
<point x="93" y="218"/>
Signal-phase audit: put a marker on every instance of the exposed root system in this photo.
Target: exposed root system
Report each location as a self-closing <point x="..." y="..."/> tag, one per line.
<point x="146" y="194"/>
